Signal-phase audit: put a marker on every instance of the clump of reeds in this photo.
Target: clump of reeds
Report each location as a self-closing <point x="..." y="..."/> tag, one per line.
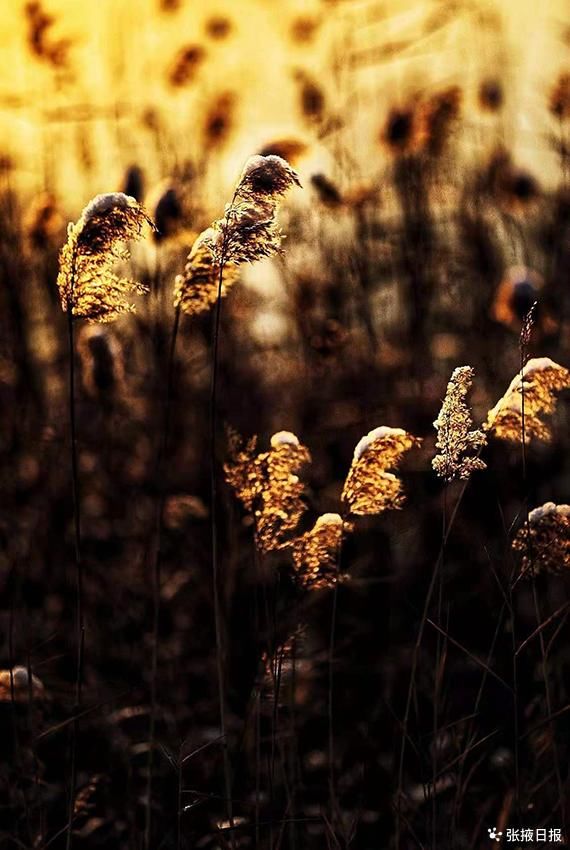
<point x="544" y="541"/>
<point x="530" y="395"/>
<point x="458" y="444"/>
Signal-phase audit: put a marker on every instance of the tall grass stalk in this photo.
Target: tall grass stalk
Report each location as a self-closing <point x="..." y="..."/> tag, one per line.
<point x="79" y="617"/>
<point x="156" y="573"/>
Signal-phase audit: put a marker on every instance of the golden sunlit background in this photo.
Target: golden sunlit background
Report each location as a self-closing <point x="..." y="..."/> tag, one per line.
<point x="284" y="542"/>
<point x="88" y="90"/>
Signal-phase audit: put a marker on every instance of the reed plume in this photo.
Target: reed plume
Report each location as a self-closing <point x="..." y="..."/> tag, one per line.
<point x="536" y="386"/>
<point x="196" y="289"/>
<point x="316" y="554"/>
<point x="369" y="487"/>
<point x="544" y="541"/>
<point x="459" y="446"/>
<point x="268" y="486"/>
<point x="16" y="685"/>
<point x="88" y="286"/>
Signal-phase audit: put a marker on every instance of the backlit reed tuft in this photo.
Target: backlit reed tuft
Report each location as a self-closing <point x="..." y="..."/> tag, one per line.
<point x="537" y="384"/>
<point x="369" y="487"/>
<point x="458" y="445"/>
<point x="196" y="290"/>
<point x="15" y="684"/>
<point x="268" y="485"/>
<point x="316" y="554"/>
<point x="544" y="542"/>
<point x="87" y="284"/>
<point x="247" y="232"/>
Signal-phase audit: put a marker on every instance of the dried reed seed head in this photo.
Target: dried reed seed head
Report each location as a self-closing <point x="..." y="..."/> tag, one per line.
<point x="516" y="294"/>
<point x="196" y="290"/>
<point x="536" y="387"/>
<point x="102" y="364"/>
<point x="219" y="120"/>
<point x="459" y="446"/>
<point x="268" y="486"/>
<point x="186" y="64"/>
<point x="218" y="27"/>
<point x="439" y="116"/>
<point x="249" y="230"/>
<point x="288" y="149"/>
<point x="316" y="554"/>
<point x="559" y="101"/>
<point x="22" y="687"/>
<point x="491" y="95"/>
<point x="86" y="282"/>
<point x="327" y="192"/>
<point x="369" y="487"/>
<point x="266" y="178"/>
<point x="544" y="544"/>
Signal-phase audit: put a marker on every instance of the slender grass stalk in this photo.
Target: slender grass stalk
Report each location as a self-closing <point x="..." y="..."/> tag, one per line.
<point x="214" y="528"/>
<point x="415" y="658"/>
<point x="156" y="573"/>
<point x="80" y="624"/>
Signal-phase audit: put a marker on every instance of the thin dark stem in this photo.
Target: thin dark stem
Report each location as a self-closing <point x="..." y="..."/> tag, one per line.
<point x="156" y="573"/>
<point x="214" y="528"/>
<point x="80" y="625"/>
<point x="330" y="704"/>
<point x="415" y="658"/>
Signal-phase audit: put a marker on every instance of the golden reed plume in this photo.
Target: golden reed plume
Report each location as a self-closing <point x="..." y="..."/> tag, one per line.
<point x="544" y="542"/>
<point x="268" y="485"/>
<point x="87" y="284"/>
<point x="316" y="554"/>
<point x="247" y="232"/>
<point x="369" y="487"/>
<point x="459" y="446"/>
<point x="196" y="290"/>
<point x="535" y="386"/>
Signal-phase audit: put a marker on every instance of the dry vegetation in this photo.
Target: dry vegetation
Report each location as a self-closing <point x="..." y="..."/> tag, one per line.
<point x="285" y="536"/>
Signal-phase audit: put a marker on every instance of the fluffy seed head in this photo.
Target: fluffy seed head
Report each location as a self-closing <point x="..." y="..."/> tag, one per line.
<point x="196" y="290"/>
<point x="541" y="378"/>
<point x="544" y="543"/>
<point x="369" y="487"/>
<point x="316" y="553"/>
<point x="87" y="284"/>
<point x="458" y="445"/>
<point x="268" y="485"/>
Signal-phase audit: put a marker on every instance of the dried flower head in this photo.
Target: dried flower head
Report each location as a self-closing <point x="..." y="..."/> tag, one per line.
<point x="316" y="553"/>
<point x="491" y="95"/>
<point x="268" y="485"/>
<point x="248" y="231"/>
<point x="535" y="387"/>
<point x="102" y="364"/>
<point x="544" y="542"/>
<point x="186" y="65"/>
<point x="516" y="294"/>
<point x="459" y="446"/>
<point x="369" y="487"/>
<point x="196" y="290"/>
<point x="17" y="682"/>
<point x="559" y="102"/>
<point x="87" y="283"/>
<point x="219" y="120"/>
